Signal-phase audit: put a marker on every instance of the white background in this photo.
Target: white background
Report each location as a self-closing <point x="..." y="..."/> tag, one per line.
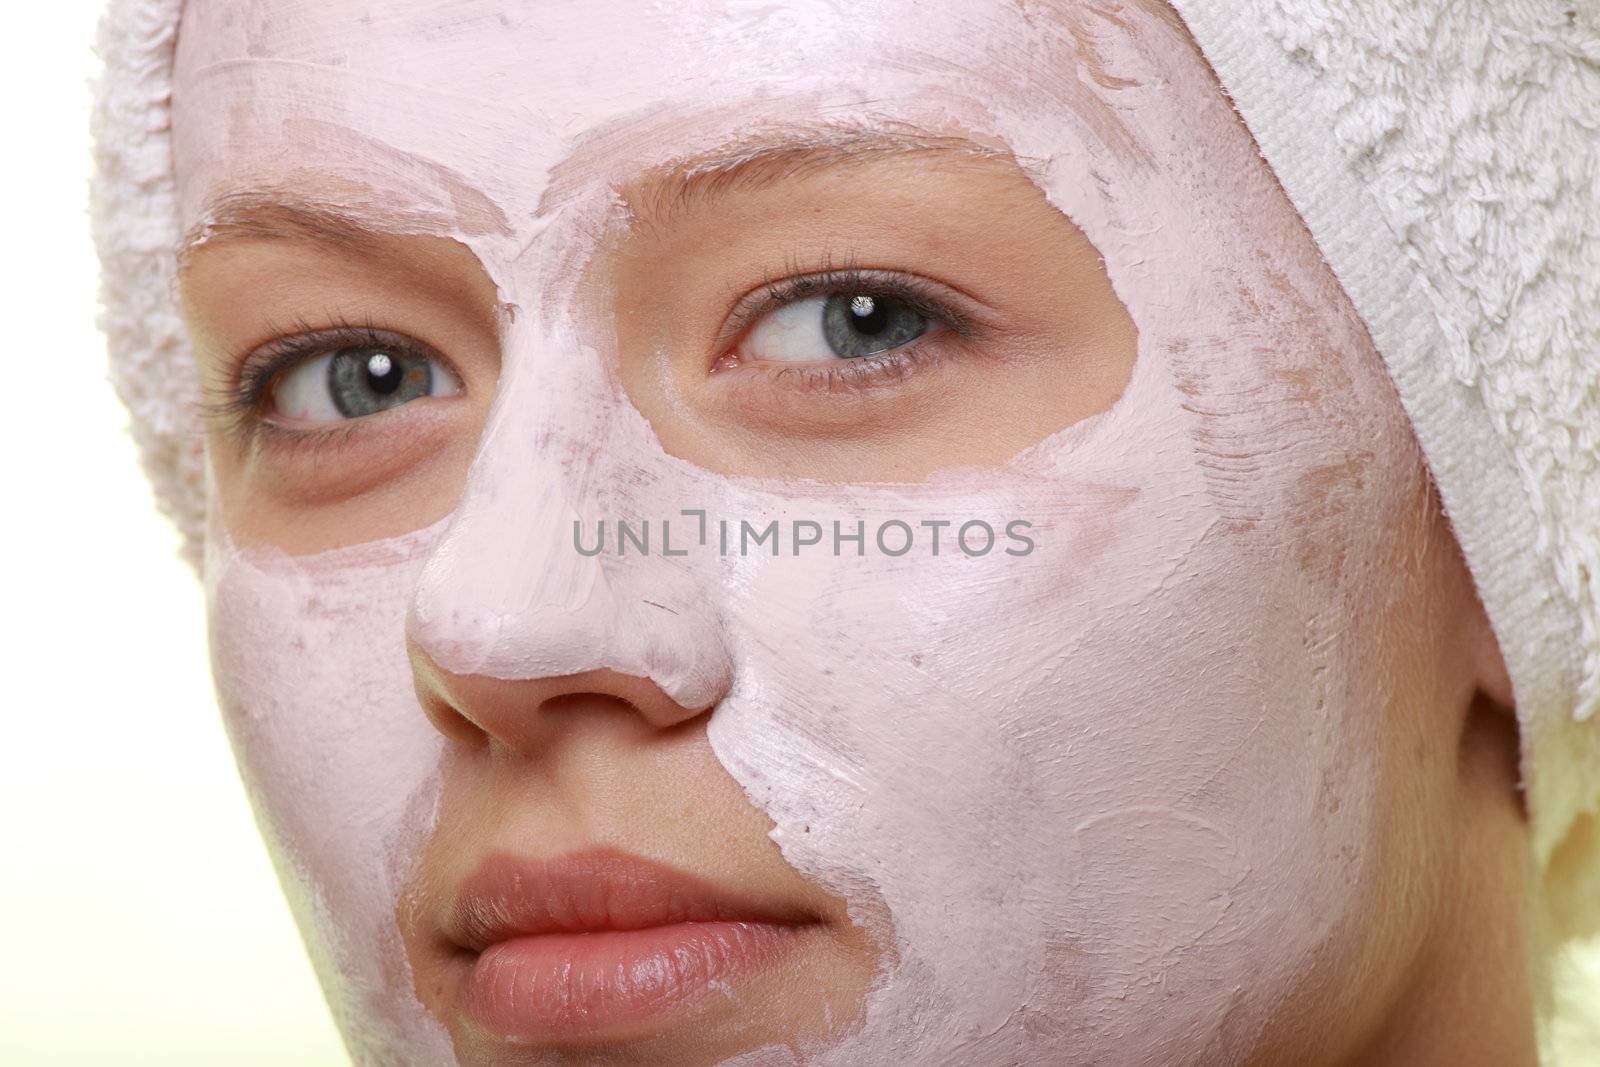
<point x="140" y="922"/>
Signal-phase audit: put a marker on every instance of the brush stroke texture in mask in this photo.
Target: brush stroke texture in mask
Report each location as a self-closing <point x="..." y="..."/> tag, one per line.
<point x="1113" y="797"/>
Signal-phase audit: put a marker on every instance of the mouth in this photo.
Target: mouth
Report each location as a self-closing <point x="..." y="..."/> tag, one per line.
<point x="592" y="945"/>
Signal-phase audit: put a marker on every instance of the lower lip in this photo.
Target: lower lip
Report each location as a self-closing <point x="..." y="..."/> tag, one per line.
<point x="554" y="985"/>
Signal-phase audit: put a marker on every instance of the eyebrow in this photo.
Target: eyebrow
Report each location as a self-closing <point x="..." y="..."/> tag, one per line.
<point x="270" y="216"/>
<point x="780" y="155"/>
<point x="755" y="160"/>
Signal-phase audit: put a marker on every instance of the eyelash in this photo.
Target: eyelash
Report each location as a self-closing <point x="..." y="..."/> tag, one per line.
<point x="842" y="375"/>
<point x="241" y="408"/>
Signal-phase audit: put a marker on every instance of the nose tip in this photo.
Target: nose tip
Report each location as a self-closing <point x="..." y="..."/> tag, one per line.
<point x="524" y="714"/>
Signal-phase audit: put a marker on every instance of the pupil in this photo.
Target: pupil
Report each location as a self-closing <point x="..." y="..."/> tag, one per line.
<point x="382" y="374"/>
<point x="868" y="315"/>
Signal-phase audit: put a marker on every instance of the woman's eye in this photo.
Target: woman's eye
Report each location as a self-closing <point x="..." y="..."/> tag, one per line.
<point x="353" y="382"/>
<point x="840" y="326"/>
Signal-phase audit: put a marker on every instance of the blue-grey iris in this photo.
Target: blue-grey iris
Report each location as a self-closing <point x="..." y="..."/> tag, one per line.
<point x="362" y="381"/>
<point x="864" y="324"/>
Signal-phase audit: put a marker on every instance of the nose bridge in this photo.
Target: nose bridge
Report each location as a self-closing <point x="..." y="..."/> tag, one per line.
<point x="506" y="593"/>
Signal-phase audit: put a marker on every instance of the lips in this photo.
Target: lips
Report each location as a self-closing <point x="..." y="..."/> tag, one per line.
<point x="596" y="942"/>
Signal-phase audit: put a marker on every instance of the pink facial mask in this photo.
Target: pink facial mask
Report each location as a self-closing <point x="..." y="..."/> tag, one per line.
<point x="1115" y="798"/>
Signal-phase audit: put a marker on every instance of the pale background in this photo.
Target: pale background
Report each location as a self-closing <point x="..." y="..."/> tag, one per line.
<point x="140" y="922"/>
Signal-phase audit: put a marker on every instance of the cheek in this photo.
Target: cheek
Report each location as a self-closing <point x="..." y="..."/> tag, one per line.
<point x="339" y="761"/>
<point x="1123" y="793"/>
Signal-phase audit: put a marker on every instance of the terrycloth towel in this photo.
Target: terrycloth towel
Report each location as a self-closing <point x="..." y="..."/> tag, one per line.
<point x="1445" y="155"/>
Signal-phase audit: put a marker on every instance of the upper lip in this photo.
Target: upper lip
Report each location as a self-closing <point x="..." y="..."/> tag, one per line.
<point x="589" y="892"/>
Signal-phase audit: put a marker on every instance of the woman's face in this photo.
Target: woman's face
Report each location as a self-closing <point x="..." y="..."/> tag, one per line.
<point x="803" y="533"/>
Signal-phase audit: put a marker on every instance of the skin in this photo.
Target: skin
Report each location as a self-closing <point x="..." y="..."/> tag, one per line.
<point x="627" y="761"/>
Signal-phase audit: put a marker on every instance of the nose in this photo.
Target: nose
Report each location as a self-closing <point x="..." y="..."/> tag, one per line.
<point x="509" y="622"/>
<point x="524" y="715"/>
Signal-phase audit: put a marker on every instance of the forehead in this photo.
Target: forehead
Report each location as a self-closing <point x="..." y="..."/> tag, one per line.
<point x="453" y="100"/>
<point x="564" y="57"/>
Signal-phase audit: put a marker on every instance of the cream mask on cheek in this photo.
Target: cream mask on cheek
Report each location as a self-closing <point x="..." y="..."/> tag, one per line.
<point x="1113" y="801"/>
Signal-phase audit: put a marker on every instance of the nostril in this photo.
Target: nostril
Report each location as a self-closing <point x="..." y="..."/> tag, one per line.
<point x="433" y="694"/>
<point x="576" y="702"/>
<point x="450" y="722"/>
<point x="639" y="697"/>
